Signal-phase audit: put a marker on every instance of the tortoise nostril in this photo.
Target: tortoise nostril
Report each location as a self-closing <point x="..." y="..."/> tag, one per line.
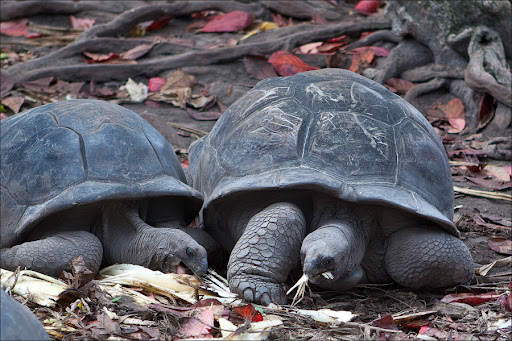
<point x="327" y="262"/>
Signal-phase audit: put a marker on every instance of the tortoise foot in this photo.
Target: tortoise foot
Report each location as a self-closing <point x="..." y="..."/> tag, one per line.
<point x="258" y="289"/>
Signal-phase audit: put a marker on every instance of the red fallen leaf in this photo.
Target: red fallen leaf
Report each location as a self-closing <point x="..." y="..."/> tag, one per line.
<point x="34" y="35"/>
<point x="198" y="325"/>
<point x="400" y="84"/>
<point x="81" y="23"/>
<point x="385" y="322"/>
<point x="248" y="312"/>
<point x="258" y="66"/>
<point x="99" y="58"/>
<point x="423" y="329"/>
<point x="471" y="299"/>
<point x="365" y="34"/>
<point x="159" y="23"/>
<point x="200" y="15"/>
<point x="506" y="301"/>
<point x="434" y="332"/>
<point x="229" y="22"/>
<point x="185" y="164"/>
<point x="15" y="28"/>
<point x="156" y="83"/>
<point x="287" y="64"/>
<point x="362" y="59"/>
<point x="367" y="7"/>
<point x="500" y="245"/>
<point x="342" y="38"/>
<point x="415" y="324"/>
<point x="485" y="110"/>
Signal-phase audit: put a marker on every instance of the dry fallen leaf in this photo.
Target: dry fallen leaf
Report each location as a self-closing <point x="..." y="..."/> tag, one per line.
<point x="362" y="59"/>
<point x="14" y="102"/>
<point x="498" y="172"/>
<point x="452" y="111"/>
<point x="138" y="91"/>
<point x="81" y="24"/>
<point x="400" y="84"/>
<point x="501" y="245"/>
<point x="258" y="66"/>
<point x="199" y="325"/>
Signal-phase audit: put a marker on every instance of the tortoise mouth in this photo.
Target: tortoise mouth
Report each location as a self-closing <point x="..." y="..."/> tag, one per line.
<point x="181" y="269"/>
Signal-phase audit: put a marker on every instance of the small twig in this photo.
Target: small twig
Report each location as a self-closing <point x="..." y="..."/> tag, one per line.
<point x="365" y="325"/>
<point x="484" y="194"/>
<point x="190" y="130"/>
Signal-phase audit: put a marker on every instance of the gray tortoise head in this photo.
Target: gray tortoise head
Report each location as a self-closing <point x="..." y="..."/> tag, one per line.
<point x="67" y="144"/>
<point x="332" y="131"/>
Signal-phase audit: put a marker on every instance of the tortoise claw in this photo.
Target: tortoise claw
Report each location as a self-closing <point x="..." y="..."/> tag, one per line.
<point x="258" y="290"/>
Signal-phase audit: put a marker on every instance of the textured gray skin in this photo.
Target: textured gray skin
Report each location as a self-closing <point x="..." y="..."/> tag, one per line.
<point x="87" y="177"/>
<point x="17" y="322"/>
<point x="362" y="167"/>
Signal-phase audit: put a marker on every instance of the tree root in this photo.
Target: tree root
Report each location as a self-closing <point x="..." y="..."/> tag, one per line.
<point x="430" y="71"/>
<point x="383" y="35"/>
<point x="300" y="10"/>
<point x="10" y="10"/>
<point x="424" y="88"/>
<point x="406" y="55"/>
<point x="71" y="66"/>
<point x="487" y="70"/>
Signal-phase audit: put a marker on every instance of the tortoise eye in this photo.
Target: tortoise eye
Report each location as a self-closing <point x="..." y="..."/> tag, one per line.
<point x="191" y="253"/>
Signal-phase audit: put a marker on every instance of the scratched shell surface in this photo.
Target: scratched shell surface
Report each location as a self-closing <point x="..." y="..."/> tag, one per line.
<point x="75" y="152"/>
<point x="330" y="130"/>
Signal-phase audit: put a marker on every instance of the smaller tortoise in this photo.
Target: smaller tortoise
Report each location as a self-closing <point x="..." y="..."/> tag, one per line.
<point x="333" y="169"/>
<point x="93" y="178"/>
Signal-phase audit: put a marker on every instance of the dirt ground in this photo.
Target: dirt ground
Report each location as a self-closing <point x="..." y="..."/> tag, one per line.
<point x="477" y="217"/>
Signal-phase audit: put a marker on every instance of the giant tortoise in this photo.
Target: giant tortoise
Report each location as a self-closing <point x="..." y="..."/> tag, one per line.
<point x="333" y="169"/>
<point x="91" y="178"/>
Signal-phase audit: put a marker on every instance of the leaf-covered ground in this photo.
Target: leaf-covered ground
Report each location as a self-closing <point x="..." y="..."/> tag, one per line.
<point x="179" y="66"/>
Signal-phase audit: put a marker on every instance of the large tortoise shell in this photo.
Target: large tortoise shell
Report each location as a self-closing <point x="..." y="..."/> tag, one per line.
<point x="329" y="130"/>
